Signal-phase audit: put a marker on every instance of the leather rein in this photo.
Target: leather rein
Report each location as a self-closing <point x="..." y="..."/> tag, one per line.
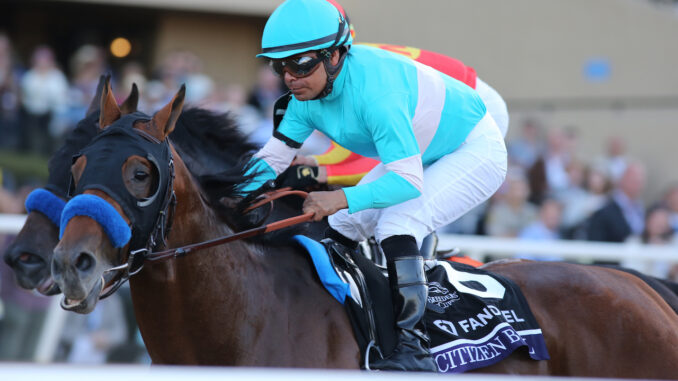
<point x="137" y="258"/>
<point x="266" y="198"/>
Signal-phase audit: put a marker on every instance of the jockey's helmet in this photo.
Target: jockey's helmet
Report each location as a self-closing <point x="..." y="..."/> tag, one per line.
<point x="298" y="26"/>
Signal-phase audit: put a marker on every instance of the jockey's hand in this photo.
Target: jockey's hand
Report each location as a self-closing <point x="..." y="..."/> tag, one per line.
<point x="304" y="160"/>
<point x="302" y="177"/>
<point x="298" y="177"/>
<point x="325" y="203"/>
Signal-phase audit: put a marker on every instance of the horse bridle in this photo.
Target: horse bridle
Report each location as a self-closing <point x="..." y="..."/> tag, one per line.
<point x="135" y="263"/>
<point x="159" y="233"/>
<point x="136" y="258"/>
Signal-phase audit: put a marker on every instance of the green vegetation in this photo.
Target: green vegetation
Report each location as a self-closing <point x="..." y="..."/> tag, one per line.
<point x="25" y="167"/>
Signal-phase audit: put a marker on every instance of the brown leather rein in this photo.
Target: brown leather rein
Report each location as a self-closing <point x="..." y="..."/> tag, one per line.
<point x="264" y="199"/>
<point x="136" y="258"/>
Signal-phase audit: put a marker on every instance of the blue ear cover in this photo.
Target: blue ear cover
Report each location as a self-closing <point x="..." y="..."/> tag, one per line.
<point x="45" y="202"/>
<point x="100" y="211"/>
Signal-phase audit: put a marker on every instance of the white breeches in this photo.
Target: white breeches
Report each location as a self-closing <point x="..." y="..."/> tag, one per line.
<point x="495" y="105"/>
<point x="453" y="185"/>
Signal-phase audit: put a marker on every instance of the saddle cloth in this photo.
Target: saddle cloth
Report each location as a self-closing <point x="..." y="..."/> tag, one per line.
<point x="474" y="318"/>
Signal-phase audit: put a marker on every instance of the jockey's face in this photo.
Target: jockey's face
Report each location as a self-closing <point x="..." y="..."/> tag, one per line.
<point x="310" y="86"/>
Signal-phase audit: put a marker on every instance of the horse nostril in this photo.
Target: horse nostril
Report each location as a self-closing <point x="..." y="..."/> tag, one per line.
<point x="84" y="262"/>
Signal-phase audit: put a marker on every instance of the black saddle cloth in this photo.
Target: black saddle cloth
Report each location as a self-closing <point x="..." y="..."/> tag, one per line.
<point x="473" y="318"/>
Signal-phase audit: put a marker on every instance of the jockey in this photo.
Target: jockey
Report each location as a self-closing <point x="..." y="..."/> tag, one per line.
<point x="441" y="153"/>
<point x="339" y="166"/>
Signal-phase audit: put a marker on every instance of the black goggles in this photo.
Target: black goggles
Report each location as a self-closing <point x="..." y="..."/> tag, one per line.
<point x="299" y="67"/>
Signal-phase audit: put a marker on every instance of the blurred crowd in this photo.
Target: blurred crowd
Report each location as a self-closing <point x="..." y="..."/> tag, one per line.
<point x="550" y="193"/>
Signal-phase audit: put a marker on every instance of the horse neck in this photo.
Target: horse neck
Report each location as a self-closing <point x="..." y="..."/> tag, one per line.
<point x="171" y="295"/>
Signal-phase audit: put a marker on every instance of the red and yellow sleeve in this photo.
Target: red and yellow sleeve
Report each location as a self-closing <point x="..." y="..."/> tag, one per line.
<point x="349" y="173"/>
<point x="334" y="155"/>
<point x="343" y="166"/>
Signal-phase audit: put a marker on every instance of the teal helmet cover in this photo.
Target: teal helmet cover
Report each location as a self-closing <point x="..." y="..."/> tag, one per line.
<point x="298" y="26"/>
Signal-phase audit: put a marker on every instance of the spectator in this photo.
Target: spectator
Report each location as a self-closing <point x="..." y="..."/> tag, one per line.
<point x="167" y="79"/>
<point x="266" y="91"/>
<point x="44" y="88"/>
<point x="87" y="64"/>
<point x="264" y="129"/>
<point x="543" y="229"/>
<point x="585" y="194"/>
<point x="510" y="214"/>
<point x="623" y="213"/>
<point x="548" y="175"/>
<point x="472" y="222"/>
<point x="525" y="149"/>
<point x="615" y="161"/>
<point x="232" y="99"/>
<point x="9" y="95"/>
<point x="199" y="87"/>
<point x="132" y="72"/>
<point x="671" y="202"/>
<point x="657" y="231"/>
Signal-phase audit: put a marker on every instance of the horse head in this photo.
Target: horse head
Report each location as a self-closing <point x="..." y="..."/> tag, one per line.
<point x="124" y="185"/>
<point x="30" y="253"/>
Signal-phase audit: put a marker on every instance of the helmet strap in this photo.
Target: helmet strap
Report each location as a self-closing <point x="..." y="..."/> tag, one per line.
<point x="331" y="70"/>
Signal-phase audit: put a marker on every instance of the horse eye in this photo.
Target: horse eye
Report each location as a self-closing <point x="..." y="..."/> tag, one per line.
<point x="140" y="175"/>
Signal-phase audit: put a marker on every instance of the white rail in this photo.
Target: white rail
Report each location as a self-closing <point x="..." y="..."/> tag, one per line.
<point x="11" y="223"/>
<point x="583" y="251"/>
<point x="17" y="372"/>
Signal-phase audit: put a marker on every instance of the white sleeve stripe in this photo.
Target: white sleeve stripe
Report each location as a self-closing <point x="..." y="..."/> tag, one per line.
<point x="409" y="168"/>
<point x="277" y="155"/>
<point x="430" y="103"/>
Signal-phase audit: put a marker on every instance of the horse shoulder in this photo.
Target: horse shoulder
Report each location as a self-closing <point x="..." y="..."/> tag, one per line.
<point x="317" y="324"/>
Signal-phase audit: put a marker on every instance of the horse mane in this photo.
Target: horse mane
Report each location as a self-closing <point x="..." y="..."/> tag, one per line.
<point x="217" y="154"/>
<point x="209" y="142"/>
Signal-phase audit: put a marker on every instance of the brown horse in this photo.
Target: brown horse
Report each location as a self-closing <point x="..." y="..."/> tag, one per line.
<point x="250" y="304"/>
<point x="30" y="254"/>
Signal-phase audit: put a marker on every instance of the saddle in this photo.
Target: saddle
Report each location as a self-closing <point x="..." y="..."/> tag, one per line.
<point x="474" y="318"/>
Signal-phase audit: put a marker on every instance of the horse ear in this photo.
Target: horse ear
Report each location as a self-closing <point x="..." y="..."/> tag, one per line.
<point x="165" y="119"/>
<point x="130" y="104"/>
<point x="96" y="101"/>
<point x="110" y="112"/>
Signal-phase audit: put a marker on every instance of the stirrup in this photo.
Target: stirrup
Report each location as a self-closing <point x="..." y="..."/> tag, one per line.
<point x="372" y="345"/>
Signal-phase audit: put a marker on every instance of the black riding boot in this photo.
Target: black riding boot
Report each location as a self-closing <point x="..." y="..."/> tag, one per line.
<point x="409" y="290"/>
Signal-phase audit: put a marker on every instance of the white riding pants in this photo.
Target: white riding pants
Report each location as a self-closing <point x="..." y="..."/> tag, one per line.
<point x="453" y="185"/>
<point x="495" y="104"/>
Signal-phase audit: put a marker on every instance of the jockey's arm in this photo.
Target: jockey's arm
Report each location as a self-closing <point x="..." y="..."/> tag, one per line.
<point x="394" y="139"/>
<point x="277" y="154"/>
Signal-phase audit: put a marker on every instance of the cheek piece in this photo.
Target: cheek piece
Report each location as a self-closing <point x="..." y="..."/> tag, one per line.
<point x="100" y="211"/>
<point x="45" y="202"/>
